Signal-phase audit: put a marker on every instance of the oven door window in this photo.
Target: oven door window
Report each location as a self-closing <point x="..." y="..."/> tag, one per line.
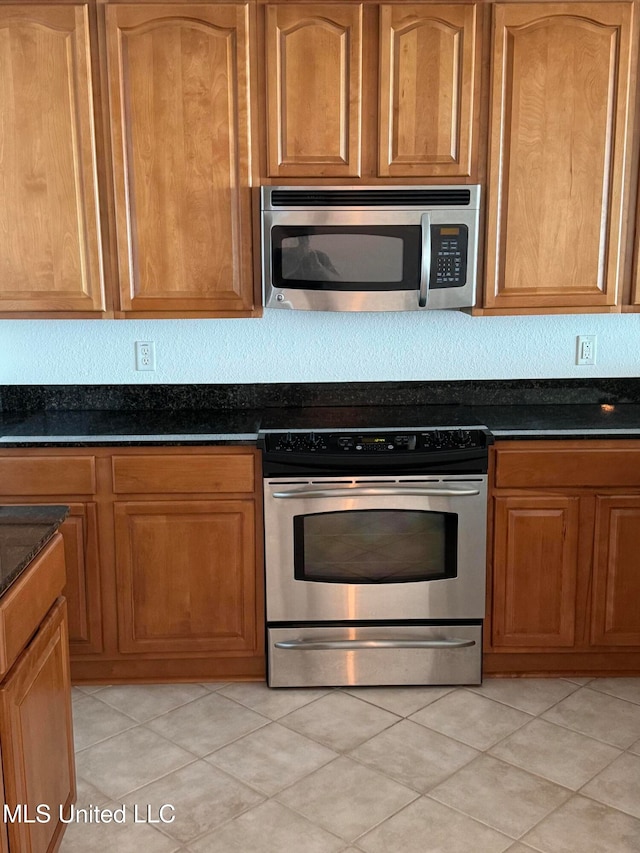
<point x="347" y="258"/>
<point x="375" y="546"/>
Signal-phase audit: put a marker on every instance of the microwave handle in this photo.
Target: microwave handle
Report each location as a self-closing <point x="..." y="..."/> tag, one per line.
<point x="425" y="260"/>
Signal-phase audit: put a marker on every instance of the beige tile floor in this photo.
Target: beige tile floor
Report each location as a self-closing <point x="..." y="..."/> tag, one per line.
<point x="519" y="765"/>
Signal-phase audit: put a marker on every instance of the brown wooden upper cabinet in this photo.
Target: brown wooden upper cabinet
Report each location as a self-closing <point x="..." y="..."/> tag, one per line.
<point x="330" y="68"/>
<point x="559" y="156"/>
<point x="50" y="255"/>
<point x="180" y="119"/>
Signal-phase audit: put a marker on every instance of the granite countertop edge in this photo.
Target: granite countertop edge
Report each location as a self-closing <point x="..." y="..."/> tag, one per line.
<point x="31" y="528"/>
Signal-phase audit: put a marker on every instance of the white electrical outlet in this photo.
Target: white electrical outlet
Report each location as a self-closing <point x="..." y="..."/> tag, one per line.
<point x="145" y="355"/>
<point x="586" y="349"/>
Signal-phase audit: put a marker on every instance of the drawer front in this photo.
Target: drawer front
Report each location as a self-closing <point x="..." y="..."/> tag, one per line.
<point x="290" y="664"/>
<point x="47" y="475"/>
<point x="568" y="468"/>
<point x="29" y="600"/>
<point x="184" y="474"/>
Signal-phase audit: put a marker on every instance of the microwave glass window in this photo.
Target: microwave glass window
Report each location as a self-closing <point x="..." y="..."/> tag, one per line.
<point x="342" y="257"/>
<point x="351" y="257"/>
<point x="375" y="546"/>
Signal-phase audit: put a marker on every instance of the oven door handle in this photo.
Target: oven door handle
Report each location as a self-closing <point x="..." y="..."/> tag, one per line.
<point x="348" y="645"/>
<point x="366" y="492"/>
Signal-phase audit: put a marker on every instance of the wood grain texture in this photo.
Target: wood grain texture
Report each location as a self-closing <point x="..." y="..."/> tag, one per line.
<point x="558" y="154"/>
<point x="428" y="78"/>
<point x="26" y="603"/>
<point x="180" y="116"/>
<point x="82" y="589"/>
<point x="534" y="571"/>
<point x="22" y="473"/>
<point x="616" y="571"/>
<point x="509" y="663"/>
<point x="569" y="464"/>
<point x="50" y="252"/>
<point x="186" y="576"/>
<point x="314" y="89"/>
<point x="37" y="735"/>
<point x="215" y="472"/>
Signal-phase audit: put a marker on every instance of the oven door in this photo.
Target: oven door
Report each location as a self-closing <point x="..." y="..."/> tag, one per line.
<point x="375" y="548"/>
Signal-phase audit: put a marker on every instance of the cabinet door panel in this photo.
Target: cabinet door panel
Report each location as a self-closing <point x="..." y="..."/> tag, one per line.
<point x="50" y="256"/>
<point x="179" y="89"/>
<point x="36" y="733"/>
<point x="616" y="582"/>
<point x="82" y="591"/>
<point x="186" y="576"/>
<point x="314" y="89"/>
<point x="558" y="142"/>
<point x="427" y="72"/>
<point x="534" y="571"/>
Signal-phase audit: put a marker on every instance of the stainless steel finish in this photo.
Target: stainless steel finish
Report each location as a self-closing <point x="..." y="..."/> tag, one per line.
<point x="425" y="263"/>
<point x="357" y="492"/>
<point x="461" y="597"/>
<point x="335" y="667"/>
<point x="400" y="300"/>
<point x="349" y="645"/>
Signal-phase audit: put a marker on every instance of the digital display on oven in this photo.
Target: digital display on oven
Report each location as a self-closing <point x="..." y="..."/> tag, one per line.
<point x="372" y="439"/>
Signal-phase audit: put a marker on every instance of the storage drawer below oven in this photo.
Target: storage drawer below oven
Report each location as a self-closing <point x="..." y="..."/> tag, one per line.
<point x="316" y="656"/>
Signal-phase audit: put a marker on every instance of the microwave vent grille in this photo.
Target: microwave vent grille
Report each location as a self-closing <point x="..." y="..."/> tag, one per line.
<point x="431" y="197"/>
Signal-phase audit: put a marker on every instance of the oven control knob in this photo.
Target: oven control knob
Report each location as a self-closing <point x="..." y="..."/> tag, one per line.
<point x="287" y="442"/>
<point x="465" y="437"/>
<point x="314" y="442"/>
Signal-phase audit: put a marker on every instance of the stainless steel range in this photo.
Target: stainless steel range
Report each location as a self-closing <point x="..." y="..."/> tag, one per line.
<point x="375" y="554"/>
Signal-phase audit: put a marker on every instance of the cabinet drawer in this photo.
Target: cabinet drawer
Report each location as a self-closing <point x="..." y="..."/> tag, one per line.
<point x="47" y="475"/>
<point x="582" y="467"/>
<point x="28" y="601"/>
<point x="224" y="472"/>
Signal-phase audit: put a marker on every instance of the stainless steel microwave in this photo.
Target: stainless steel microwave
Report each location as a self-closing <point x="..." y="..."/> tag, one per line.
<point x="370" y="248"/>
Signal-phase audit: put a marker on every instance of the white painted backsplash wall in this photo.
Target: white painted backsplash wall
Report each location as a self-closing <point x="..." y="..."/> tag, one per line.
<point x="288" y="346"/>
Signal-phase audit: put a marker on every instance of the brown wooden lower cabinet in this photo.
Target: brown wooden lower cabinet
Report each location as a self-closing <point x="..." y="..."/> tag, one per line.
<point x="616" y="571"/>
<point x="186" y="576"/>
<point x="564" y="579"/>
<point x="535" y="566"/>
<point x="163" y="547"/>
<point x="36" y="734"/>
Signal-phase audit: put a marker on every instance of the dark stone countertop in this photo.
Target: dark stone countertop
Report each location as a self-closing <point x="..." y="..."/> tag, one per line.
<point x="593" y="420"/>
<point x="103" y="427"/>
<point x="41" y="416"/>
<point x="207" y="427"/>
<point x="24" y="531"/>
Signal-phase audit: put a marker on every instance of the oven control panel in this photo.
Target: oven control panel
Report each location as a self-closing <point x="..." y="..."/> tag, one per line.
<point x="375" y="442"/>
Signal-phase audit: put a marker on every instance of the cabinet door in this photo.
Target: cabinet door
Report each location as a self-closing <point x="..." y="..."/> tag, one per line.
<point x="82" y="589"/>
<point x="36" y="734"/>
<point x="50" y="256"/>
<point x="179" y="100"/>
<point x="314" y="90"/>
<point x="535" y="564"/>
<point x="559" y="152"/>
<point x="427" y="74"/>
<point x="616" y="578"/>
<point x="186" y="576"/>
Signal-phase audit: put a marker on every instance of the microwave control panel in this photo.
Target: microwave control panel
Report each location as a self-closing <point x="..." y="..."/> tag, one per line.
<point x="449" y="244"/>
